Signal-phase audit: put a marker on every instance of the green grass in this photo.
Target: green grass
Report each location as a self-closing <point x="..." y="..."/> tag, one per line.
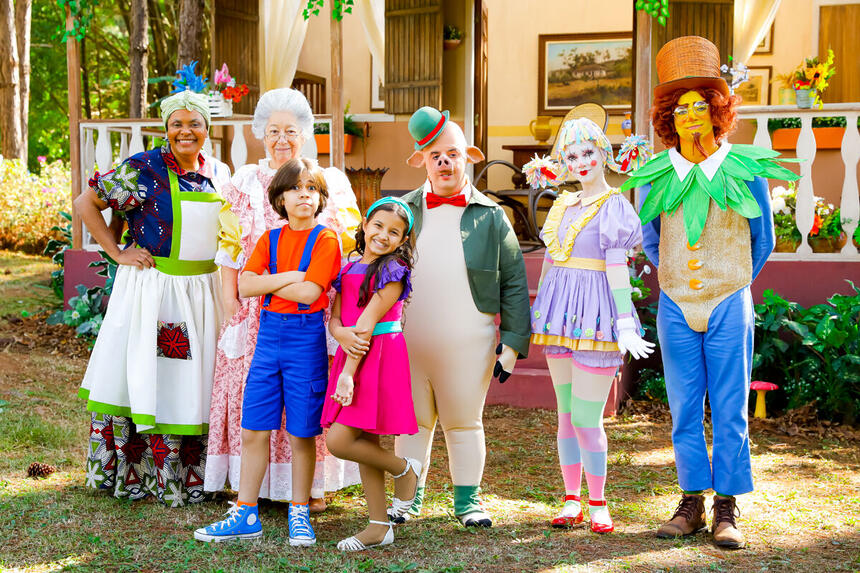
<point x="802" y="517"/>
<point x="25" y="283"/>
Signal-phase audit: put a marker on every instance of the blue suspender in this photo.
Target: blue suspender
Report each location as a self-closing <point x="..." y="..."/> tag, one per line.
<point x="304" y="263"/>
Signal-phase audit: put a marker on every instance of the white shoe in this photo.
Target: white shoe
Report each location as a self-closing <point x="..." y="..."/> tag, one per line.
<point x="352" y="543"/>
<point x="399" y="507"/>
<point x="478" y="518"/>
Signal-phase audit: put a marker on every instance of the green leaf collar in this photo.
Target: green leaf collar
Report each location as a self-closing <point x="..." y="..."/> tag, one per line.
<point x="726" y="187"/>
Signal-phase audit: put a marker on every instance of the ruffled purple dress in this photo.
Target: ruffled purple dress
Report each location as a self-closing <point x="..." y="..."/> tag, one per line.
<point x="382" y="399"/>
<point x="574" y="308"/>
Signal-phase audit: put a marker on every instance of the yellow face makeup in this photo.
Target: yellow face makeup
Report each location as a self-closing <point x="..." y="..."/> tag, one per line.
<point x="692" y="116"/>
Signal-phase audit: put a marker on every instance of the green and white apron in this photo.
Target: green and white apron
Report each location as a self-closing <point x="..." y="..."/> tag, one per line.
<point x="154" y="358"/>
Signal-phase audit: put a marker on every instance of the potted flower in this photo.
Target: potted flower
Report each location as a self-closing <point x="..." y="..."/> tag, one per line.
<point x="828" y="132"/>
<point x="451" y="37"/>
<point x="222" y="94"/>
<point x="826" y="235"/>
<point x="351" y="131"/>
<point x="810" y="80"/>
<point x="225" y="93"/>
<point x="783" y="202"/>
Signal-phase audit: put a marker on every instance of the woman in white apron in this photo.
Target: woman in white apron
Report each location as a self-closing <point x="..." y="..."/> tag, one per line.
<point x="149" y="379"/>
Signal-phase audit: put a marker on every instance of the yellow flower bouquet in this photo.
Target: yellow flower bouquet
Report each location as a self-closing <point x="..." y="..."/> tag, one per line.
<point x="812" y="75"/>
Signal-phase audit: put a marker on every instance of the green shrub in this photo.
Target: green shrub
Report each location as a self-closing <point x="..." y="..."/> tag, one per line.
<point x="812" y="354"/>
<point x="652" y="386"/>
<point x="31" y="204"/>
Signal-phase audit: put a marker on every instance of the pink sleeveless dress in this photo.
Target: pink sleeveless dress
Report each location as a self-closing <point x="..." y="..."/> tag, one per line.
<point x="382" y="399"/>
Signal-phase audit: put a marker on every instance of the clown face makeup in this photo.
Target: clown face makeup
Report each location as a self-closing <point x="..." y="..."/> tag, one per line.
<point x="584" y="161"/>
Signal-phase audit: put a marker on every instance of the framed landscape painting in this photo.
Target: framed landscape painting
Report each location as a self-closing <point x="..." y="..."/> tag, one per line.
<point x="756" y="90"/>
<point x="579" y="68"/>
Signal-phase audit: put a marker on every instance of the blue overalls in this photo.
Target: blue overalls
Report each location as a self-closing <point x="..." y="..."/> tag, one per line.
<point x="289" y="370"/>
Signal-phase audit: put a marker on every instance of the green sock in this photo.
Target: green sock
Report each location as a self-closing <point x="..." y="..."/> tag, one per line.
<point x="466" y="499"/>
<point x="419" y="501"/>
<point x="698" y="492"/>
<point x="724" y="495"/>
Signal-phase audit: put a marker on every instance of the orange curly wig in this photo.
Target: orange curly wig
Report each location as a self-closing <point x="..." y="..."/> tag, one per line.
<point x="724" y="113"/>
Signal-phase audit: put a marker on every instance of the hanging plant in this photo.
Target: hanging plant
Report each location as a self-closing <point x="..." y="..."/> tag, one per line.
<point x="339" y="8"/>
<point x="83" y="12"/>
<point x="656" y="8"/>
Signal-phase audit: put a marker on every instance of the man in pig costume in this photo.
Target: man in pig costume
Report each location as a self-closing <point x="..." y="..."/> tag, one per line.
<point x="468" y="268"/>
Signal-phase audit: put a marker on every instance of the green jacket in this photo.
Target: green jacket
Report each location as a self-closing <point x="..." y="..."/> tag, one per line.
<point x="494" y="264"/>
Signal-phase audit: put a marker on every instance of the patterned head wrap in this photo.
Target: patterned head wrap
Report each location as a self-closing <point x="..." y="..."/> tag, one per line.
<point x="579" y="131"/>
<point x="185" y="100"/>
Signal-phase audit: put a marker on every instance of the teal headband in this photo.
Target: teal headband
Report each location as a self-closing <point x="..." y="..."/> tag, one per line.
<point x="397" y="201"/>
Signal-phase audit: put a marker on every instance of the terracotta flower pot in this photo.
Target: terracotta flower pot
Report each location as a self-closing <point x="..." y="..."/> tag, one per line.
<point x="825" y="137"/>
<point x="322" y="140"/>
<point x="786" y="245"/>
<point x="827" y="244"/>
<point x="450" y="44"/>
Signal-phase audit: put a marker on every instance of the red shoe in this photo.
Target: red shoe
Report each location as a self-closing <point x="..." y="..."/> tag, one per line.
<point x="569" y="516"/>
<point x="598" y="509"/>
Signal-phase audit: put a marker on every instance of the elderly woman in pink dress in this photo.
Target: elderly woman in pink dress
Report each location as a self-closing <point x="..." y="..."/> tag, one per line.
<point x="284" y="121"/>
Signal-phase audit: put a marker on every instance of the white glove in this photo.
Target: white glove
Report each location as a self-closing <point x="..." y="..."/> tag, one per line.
<point x="630" y="341"/>
<point x="505" y="362"/>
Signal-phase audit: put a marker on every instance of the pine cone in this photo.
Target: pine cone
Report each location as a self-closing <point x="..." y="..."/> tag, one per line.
<point x="37" y="470"/>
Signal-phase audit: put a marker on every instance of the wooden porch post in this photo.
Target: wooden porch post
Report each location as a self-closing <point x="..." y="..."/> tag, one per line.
<point x="337" y="159"/>
<point x="73" y="67"/>
<point x="642" y="83"/>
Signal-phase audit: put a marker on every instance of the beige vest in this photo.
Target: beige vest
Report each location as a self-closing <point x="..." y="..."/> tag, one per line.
<point x="698" y="278"/>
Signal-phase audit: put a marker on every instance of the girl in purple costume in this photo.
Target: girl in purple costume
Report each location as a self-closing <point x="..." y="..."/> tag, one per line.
<point x="583" y="312"/>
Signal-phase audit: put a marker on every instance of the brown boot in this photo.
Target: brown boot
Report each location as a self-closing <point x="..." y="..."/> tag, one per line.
<point x="726" y="533"/>
<point x="689" y="518"/>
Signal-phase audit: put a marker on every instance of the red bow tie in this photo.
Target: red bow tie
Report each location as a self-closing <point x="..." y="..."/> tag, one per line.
<point x="434" y="200"/>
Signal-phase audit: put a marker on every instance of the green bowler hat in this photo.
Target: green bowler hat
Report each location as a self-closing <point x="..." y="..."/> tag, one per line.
<point x="426" y="124"/>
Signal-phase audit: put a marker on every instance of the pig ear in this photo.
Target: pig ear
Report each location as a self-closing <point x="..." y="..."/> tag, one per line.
<point x="474" y="155"/>
<point x="416" y="159"/>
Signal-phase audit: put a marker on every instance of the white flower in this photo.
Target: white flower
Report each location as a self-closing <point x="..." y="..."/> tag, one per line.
<point x="75" y="315"/>
<point x="779" y="191"/>
<point x="778" y="204"/>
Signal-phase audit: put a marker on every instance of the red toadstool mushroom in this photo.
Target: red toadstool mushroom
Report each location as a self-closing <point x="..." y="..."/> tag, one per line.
<point x="761" y="388"/>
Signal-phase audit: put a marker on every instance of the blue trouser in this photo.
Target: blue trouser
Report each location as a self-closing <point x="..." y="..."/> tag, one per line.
<point x="718" y="362"/>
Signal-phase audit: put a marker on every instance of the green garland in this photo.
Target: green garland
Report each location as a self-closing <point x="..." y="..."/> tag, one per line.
<point x="339" y="8"/>
<point x="83" y="12"/>
<point x="727" y="188"/>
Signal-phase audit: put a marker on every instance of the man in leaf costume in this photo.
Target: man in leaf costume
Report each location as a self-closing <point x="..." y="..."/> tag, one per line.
<point x="708" y="227"/>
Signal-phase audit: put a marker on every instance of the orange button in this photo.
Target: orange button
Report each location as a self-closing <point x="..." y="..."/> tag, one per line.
<point x="695" y="247"/>
<point x="694" y="264"/>
<point x="696" y="284"/>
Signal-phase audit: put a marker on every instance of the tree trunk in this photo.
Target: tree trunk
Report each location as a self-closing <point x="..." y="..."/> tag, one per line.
<point x="85" y="79"/>
<point x="190" y="30"/>
<point x="138" y="57"/>
<point x="10" y="96"/>
<point x="23" y="18"/>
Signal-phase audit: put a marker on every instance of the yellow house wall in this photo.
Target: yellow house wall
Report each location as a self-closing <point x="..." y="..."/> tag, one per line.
<point x="514" y="26"/>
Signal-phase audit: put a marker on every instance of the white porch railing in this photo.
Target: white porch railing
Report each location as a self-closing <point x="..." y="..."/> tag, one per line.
<point x="806" y="149"/>
<point x="106" y="143"/>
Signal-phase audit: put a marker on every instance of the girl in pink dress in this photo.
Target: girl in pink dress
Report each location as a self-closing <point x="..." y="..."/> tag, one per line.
<point x="370" y="391"/>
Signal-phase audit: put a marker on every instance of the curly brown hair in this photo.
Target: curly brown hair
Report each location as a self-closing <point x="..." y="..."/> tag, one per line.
<point x="289" y="175"/>
<point x="403" y="255"/>
<point x="724" y="113"/>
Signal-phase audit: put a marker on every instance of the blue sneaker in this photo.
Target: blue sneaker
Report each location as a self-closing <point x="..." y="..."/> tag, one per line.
<point x="242" y="522"/>
<point x="301" y="532"/>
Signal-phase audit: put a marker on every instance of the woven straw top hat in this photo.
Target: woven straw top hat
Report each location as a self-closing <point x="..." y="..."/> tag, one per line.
<point x="689" y="62"/>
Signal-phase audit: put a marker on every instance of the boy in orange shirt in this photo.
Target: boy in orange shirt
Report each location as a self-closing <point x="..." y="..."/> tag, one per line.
<point x="290" y="365"/>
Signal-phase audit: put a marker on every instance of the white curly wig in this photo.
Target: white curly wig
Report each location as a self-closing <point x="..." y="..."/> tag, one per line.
<point x="283" y="99"/>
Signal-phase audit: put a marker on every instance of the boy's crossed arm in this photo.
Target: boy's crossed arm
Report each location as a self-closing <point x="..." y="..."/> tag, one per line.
<point x="288" y="285"/>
